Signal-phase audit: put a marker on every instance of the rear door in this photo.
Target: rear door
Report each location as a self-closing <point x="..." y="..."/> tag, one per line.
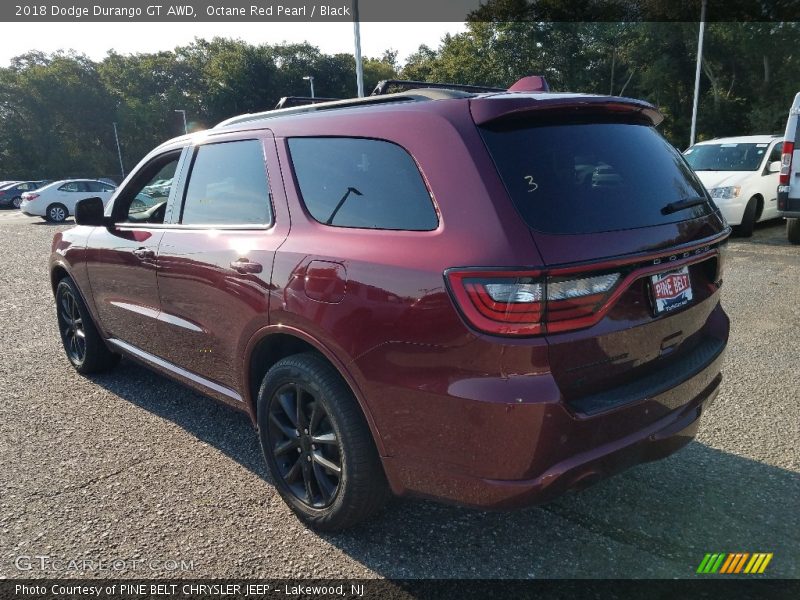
<point x="608" y="199"/>
<point x="215" y="260"/>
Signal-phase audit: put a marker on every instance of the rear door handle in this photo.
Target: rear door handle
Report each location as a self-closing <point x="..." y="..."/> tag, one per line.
<point x="144" y="253"/>
<point x="245" y="266"/>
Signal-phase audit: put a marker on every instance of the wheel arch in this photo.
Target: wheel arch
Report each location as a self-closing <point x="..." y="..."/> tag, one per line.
<point x="273" y="343"/>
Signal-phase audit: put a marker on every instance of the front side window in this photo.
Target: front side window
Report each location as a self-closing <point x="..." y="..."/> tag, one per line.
<point x="371" y="184"/>
<point x="145" y="201"/>
<point x="228" y="186"/>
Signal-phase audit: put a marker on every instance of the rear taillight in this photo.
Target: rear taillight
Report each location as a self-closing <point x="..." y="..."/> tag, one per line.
<point x="571" y="301"/>
<point x="786" y="162"/>
<point x="499" y="302"/>
<point x="519" y="303"/>
<point x="29" y="196"/>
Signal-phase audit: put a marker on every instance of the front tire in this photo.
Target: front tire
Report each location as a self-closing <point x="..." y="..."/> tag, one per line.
<point x="317" y="444"/>
<point x="56" y="213"/>
<point x="83" y="344"/>
<point x="793" y="230"/>
<point x="16" y="202"/>
<point x="745" y="229"/>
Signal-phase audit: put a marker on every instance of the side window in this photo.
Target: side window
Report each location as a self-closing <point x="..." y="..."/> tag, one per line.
<point x="353" y="182"/>
<point x="94" y="186"/>
<point x="145" y="199"/>
<point x="73" y="186"/>
<point x="228" y="186"/>
<point x="776" y="153"/>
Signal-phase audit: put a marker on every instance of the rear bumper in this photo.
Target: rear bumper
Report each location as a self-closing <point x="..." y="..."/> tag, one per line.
<point x="662" y="438"/>
<point x="788" y="207"/>
<point x="514" y="440"/>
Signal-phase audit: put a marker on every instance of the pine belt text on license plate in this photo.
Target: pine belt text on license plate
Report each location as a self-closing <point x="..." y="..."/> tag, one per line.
<point x="671" y="290"/>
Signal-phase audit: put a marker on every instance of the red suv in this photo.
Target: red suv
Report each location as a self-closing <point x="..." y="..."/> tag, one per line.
<point x="482" y="298"/>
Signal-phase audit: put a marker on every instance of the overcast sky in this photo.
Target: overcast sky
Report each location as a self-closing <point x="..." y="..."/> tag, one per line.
<point x="96" y="39"/>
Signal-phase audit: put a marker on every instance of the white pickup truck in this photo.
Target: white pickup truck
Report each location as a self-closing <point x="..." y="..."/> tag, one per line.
<point x="789" y="182"/>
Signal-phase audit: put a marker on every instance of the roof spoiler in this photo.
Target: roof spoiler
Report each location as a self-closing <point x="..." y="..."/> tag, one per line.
<point x="509" y="107"/>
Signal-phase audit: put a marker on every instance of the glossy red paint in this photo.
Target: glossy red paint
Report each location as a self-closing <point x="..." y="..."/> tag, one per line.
<point x="456" y="414"/>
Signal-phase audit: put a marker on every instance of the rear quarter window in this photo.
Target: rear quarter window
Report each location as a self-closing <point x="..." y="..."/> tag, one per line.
<point x="592" y="177"/>
<point x="363" y="183"/>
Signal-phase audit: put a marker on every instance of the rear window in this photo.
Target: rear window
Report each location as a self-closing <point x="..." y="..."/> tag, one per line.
<point x="593" y="177"/>
<point x="370" y="184"/>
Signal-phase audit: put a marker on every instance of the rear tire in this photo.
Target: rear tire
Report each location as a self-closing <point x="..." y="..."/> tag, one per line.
<point x="82" y="343"/>
<point x="793" y="230"/>
<point x="317" y="444"/>
<point x="745" y="229"/>
<point x="16" y="202"/>
<point x="56" y="213"/>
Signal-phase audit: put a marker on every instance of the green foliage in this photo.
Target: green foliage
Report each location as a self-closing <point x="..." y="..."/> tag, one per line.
<point x="56" y="111"/>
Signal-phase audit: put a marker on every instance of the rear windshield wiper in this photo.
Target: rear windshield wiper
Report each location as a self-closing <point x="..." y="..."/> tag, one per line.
<point x="683" y="204"/>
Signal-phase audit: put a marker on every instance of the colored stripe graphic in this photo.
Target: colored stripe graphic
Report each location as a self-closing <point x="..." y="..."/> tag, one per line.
<point x="734" y="562"/>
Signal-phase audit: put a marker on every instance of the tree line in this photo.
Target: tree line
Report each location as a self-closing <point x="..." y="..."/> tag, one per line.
<point x="57" y="110"/>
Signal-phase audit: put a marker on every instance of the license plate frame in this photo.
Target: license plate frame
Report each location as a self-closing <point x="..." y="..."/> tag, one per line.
<point x="671" y="290"/>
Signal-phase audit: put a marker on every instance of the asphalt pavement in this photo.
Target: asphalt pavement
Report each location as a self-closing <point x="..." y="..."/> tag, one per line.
<point x="129" y="474"/>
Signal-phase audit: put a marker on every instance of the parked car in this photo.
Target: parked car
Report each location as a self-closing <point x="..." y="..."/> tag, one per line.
<point x="56" y="201"/>
<point x="789" y="182"/>
<point x="741" y="174"/>
<point x="11" y="194"/>
<point x="428" y="293"/>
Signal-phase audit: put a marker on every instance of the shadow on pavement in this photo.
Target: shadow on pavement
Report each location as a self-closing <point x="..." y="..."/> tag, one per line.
<point x="655" y="520"/>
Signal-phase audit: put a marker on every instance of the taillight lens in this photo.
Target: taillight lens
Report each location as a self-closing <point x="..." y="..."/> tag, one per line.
<point x="499" y="302"/>
<point x="786" y="163"/>
<point x="569" y="300"/>
<point x="29" y="196"/>
<point x="519" y="303"/>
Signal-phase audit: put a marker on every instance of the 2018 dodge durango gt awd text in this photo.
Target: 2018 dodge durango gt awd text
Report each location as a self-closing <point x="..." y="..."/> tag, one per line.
<point x="482" y="298"/>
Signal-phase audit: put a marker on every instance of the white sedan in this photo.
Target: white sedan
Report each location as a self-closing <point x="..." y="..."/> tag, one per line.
<point x="741" y="174"/>
<point x="56" y="201"/>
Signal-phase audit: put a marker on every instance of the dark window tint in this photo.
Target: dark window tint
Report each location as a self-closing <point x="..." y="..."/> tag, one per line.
<point x="776" y="152"/>
<point x="593" y="177"/>
<point x="349" y="182"/>
<point x="228" y="186"/>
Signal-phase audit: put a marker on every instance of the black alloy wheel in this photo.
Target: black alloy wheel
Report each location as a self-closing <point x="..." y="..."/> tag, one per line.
<point x="70" y="322"/>
<point x="305" y="447"/>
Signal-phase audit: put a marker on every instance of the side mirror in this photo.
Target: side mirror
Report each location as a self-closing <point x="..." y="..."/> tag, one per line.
<point x="774" y="167"/>
<point x="90" y="211"/>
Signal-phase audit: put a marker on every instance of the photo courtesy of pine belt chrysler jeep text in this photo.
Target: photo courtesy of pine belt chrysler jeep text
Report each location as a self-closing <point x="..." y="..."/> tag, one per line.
<point x="486" y="298"/>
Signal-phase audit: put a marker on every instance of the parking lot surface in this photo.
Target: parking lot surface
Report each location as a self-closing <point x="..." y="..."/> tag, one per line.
<point x="132" y="467"/>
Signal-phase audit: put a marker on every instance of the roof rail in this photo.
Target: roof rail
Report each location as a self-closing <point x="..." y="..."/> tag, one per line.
<point x="290" y="101"/>
<point x="418" y="95"/>
<point x="384" y="86"/>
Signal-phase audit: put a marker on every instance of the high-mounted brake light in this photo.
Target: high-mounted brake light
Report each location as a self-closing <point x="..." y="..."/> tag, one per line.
<point x="786" y="163"/>
<point x="524" y="303"/>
